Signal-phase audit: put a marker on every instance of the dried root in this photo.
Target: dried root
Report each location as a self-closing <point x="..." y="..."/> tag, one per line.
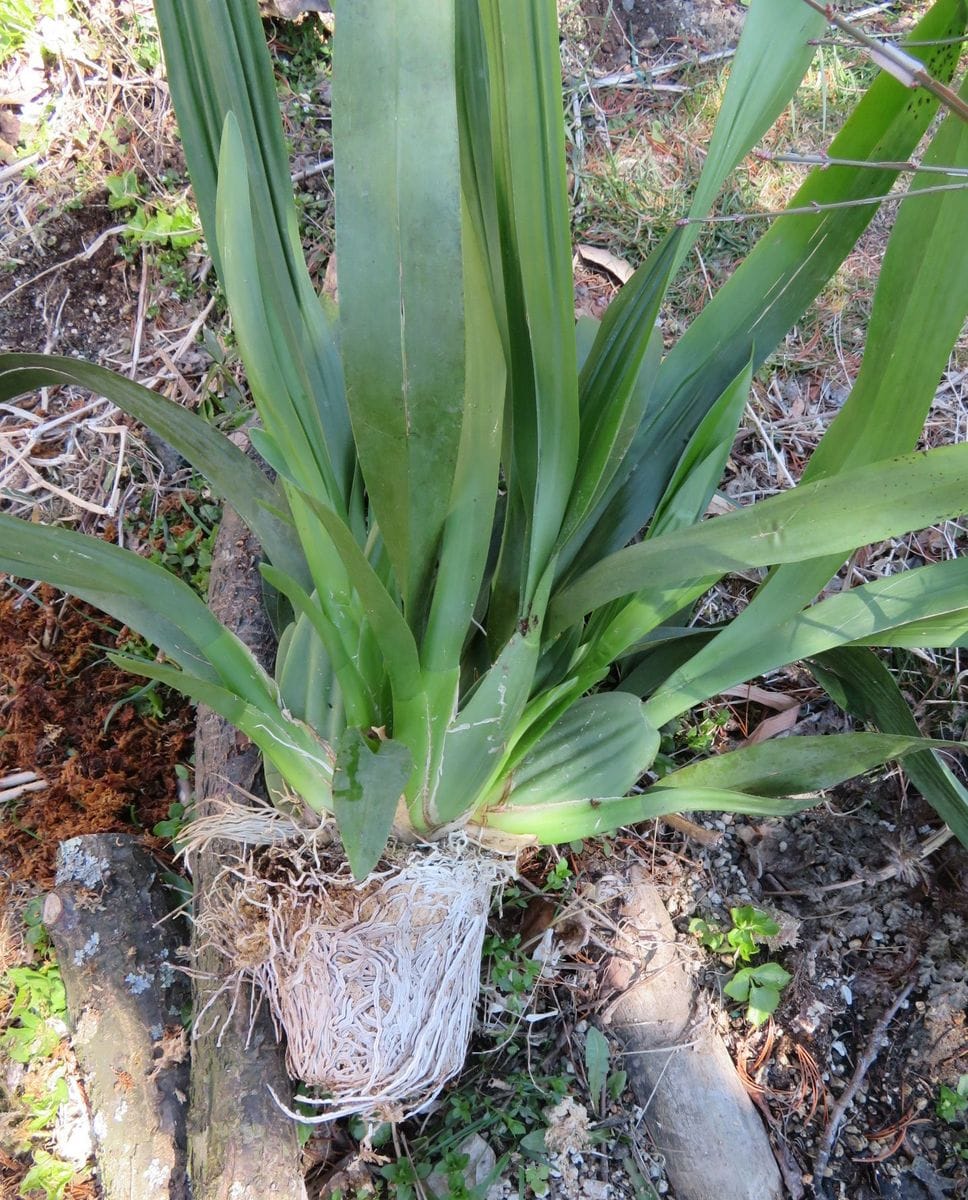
<point x="374" y="984"/>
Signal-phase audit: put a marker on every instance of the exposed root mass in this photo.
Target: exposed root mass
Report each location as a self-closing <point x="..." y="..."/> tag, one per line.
<point x="373" y="983"/>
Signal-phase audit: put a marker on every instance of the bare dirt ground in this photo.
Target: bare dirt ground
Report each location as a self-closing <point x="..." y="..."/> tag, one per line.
<point x="872" y="904"/>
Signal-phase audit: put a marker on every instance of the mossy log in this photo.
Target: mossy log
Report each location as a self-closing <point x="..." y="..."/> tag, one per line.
<point x="109" y="917"/>
<point x="701" y="1119"/>
<point x="241" y="1146"/>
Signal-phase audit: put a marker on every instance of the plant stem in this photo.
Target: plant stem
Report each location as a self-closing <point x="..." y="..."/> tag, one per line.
<point x="824" y="160"/>
<point x="891" y="58"/>
<point x="808" y="209"/>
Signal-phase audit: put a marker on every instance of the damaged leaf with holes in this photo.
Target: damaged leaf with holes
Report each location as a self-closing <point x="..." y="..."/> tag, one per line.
<point x="483" y="522"/>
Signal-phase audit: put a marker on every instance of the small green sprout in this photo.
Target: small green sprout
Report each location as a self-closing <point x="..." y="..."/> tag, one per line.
<point x="757" y="987"/>
<point x="36" y="1017"/>
<point x="952" y="1102"/>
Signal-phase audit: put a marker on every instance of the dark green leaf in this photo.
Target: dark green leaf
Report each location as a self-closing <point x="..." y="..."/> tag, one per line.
<point x="368" y="784"/>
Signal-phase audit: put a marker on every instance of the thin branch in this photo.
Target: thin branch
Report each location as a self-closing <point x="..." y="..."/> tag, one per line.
<point x="645" y="76"/>
<point x="846" y="1098"/>
<point x="825" y="160"/>
<point x="319" y="168"/>
<point x="891" y="58"/>
<point x="811" y="209"/>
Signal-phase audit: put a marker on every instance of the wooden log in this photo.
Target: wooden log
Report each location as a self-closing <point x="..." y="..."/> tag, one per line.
<point x="241" y="1146"/>
<point x="699" y="1115"/>
<point x="110" y="920"/>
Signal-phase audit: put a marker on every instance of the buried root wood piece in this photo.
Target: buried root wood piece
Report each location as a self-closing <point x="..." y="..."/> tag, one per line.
<point x="241" y="1145"/>
<point x="696" y="1108"/>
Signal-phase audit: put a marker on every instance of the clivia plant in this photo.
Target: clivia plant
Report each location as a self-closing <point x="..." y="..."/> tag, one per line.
<point x="483" y="527"/>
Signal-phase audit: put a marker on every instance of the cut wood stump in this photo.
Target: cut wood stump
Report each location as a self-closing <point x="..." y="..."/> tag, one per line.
<point x="109" y="918"/>
<point x="241" y="1145"/>
<point x="699" y="1115"/>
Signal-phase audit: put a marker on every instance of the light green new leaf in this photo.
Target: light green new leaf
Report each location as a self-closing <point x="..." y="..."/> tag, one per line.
<point x="827" y="517"/>
<point x="596" y="1063"/>
<point x="300" y="756"/>
<point x="367" y="785"/>
<point x="399" y="230"/>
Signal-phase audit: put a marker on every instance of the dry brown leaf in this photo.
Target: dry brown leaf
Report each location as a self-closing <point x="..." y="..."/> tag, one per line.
<point x="595" y="256"/>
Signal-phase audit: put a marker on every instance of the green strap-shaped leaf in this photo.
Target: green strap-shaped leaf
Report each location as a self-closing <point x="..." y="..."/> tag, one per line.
<point x="233" y="476"/>
<point x="401" y="661"/>
<point x="360" y="705"/>
<point x="467" y="532"/>
<point x="753" y="311"/>
<point x="554" y="823"/>
<point x="827" y="517"/>
<point x="601" y="746"/>
<point x="777" y="775"/>
<point x="528" y="156"/>
<point x="479" y="735"/>
<point x="797" y="765"/>
<point x="301" y="758"/>
<point x="142" y="595"/>
<point x="701" y="467"/>
<point x="401" y="286"/>
<point x="274" y="365"/>
<point x="611" y="403"/>
<point x="919" y="309"/>
<point x="622" y="624"/>
<point x="776" y="48"/>
<point x="861" y="684"/>
<point x="306" y="682"/>
<point x="367" y="785"/>
<point x="217" y="62"/>
<point x="861" y="614"/>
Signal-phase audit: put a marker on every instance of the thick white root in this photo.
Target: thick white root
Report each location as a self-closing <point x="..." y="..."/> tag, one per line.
<point x="374" y="984"/>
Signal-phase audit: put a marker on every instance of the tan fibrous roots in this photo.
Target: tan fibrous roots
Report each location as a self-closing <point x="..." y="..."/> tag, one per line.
<point x="374" y="984"/>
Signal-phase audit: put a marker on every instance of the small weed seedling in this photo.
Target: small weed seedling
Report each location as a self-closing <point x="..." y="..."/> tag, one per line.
<point x="35" y="1026"/>
<point x="174" y="224"/>
<point x="36" y="1017"/>
<point x="952" y="1103"/>
<point x="757" y="987"/>
<point x="602" y="1083"/>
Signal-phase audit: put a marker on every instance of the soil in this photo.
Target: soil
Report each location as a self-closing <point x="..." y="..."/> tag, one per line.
<point x="617" y="32"/>
<point x="69" y="715"/>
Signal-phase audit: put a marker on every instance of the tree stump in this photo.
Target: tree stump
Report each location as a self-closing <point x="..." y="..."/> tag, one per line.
<point x="241" y="1146"/>
<point x="110" y="920"/>
<point x="701" y="1119"/>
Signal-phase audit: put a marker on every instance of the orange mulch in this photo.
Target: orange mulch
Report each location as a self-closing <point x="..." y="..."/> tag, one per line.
<point x="57" y="690"/>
